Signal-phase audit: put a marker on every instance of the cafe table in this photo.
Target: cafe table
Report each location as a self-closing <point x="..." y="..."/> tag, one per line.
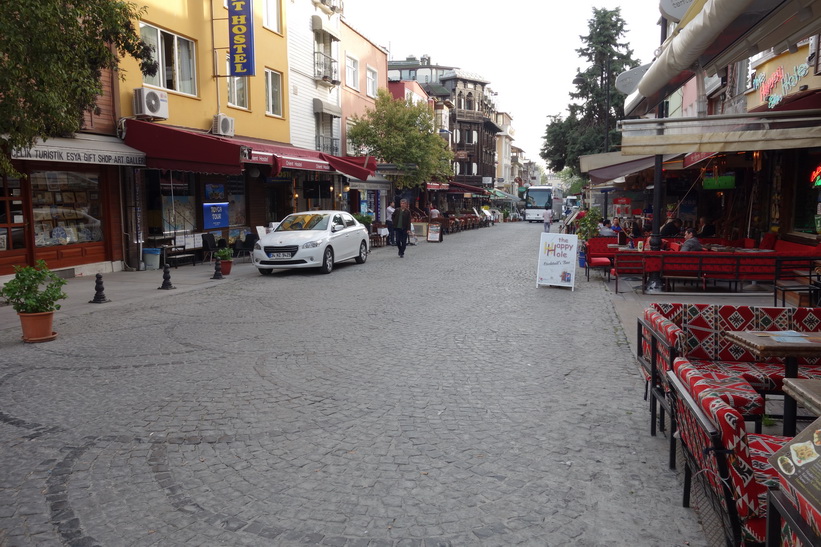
<point x="806" y="392"/>
<point x="790" y="346"/>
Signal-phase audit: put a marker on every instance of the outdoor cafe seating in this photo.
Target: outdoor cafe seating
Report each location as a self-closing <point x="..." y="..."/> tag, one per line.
<point x="708" y="390"/>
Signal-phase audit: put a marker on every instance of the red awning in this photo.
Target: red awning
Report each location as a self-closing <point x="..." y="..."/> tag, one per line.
<point x="353" y="166"/>
<point x="168" y="147"/>
<point x="436" y="185"/>
<point x="178" y="149"/>
<point x="459" y="187"/>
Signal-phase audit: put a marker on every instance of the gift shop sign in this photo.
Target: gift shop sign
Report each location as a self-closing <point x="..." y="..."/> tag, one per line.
<point x="241" y="37"/>
<point x="557" y="260"/>
<point x="215" y="215"/>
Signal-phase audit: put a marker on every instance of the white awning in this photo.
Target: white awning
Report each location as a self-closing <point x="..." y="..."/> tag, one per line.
<point x="612" y="165"/>
<point x="324" y="107"/>
<point x="319" y="25"/>
<point x="685" y="48"/>
<point x="83" y="148"/>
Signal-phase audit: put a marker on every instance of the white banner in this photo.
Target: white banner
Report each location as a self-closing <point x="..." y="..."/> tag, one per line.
<point x="557" y="260"/>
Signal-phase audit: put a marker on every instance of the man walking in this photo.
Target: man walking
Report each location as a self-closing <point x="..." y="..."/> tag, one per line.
<point x="402" y="226"/>
<point x="547" y="216"/>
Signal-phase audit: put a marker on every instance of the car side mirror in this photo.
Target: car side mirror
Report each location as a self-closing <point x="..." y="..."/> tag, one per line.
<point x="338" y="227"/>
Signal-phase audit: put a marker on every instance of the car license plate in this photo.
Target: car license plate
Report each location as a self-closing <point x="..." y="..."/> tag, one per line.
<point x="279" y="255"/>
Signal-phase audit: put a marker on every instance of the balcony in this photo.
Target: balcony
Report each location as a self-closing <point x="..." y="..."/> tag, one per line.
<point x="326" y="69"/>
<point x="330" y="6"/>
<point x="328" y="145"/>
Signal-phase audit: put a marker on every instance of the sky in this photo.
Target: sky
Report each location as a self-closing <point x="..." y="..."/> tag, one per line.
<point x="525" y="48"/>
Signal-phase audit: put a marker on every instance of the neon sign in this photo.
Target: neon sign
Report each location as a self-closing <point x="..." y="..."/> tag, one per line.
<point x="815" y="178"/>
<point x="767" y="86"/>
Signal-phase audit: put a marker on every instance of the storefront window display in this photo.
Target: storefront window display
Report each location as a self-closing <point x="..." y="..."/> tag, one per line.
<point x="807" y="217"/>
<point x="66" y="208"/>
<point x="171" y="202"/>
<point x="11" y="215"/>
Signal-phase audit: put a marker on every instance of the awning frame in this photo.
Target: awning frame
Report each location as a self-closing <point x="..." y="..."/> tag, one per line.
<point x="770" y="130"/>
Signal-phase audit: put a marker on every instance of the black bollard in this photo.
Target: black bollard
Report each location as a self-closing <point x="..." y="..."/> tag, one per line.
<point x="218" y="269"/>
<point x="166" y="278"/>
<point x="99" y="292"/>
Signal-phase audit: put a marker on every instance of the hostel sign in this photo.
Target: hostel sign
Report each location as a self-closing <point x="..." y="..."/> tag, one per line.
<point x="241" y="37"/>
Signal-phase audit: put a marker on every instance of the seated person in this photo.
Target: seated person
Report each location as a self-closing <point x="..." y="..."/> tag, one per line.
<point x="672" y="228"/>
<point x="691" y="242"/>
<point x="606" y="230"/>
<point x="705" y="228"/>
<point x="616" y="224"/>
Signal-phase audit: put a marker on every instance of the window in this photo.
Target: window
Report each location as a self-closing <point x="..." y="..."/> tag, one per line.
<point x="176" y="57"/>
<point x="237" y="90"/>
<point x="270" y="15"/>
<point x="352" y="72"/>
<point x="370" y="88"/>
<point x="273" y="92"/>
<point x="66" y="208"/>
<point x="349" y="147"/>
<point x="470" y="104"/>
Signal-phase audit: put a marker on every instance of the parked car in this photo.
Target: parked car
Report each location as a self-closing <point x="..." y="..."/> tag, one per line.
<point x="312" y="239"/>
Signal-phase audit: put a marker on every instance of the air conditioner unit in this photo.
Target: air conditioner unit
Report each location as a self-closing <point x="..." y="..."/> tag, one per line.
<point x="150" y="103"/>
<point x="223" y="125"/>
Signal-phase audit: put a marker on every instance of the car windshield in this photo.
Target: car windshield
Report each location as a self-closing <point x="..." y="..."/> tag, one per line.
<point x="307" y="221"/>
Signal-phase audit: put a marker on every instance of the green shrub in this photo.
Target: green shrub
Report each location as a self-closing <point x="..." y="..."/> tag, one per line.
<point x="34" y="289"/>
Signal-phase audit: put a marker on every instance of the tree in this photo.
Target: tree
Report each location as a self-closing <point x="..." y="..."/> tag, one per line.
<point x="597" y="105"/>
<point x="53" y="56"/>
<point x="401" y="132"/>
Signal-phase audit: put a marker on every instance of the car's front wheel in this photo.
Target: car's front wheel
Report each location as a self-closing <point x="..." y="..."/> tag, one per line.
<point x="363" y="253"/>
<point x="327" y="261"/>
<point x="265" y="271"/>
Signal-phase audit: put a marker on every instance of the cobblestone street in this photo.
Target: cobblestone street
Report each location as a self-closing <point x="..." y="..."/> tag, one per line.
<point x="440" y="399"/>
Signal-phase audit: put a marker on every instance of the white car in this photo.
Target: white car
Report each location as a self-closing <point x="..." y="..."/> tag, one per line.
<point x="312" y="239"/>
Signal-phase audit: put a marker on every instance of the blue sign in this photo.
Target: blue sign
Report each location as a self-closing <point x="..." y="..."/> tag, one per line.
<point x="241" y="37"/>
<point x="214" y="215"/>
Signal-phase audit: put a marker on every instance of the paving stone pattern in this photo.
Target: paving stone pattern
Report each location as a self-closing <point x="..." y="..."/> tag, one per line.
<point x="438" y="399"/>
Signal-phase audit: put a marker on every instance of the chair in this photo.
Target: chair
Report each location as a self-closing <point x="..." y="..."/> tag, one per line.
<point x="246" y="245"/>
<point x="209" y="247"/>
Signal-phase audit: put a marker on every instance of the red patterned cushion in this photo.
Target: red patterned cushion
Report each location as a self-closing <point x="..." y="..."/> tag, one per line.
<point x="761" y="376"/>
<point x="733" y="390"/>
<point x="750" y="474"/>
<point x="700" y="335"/>
<point x="734" y="318"/>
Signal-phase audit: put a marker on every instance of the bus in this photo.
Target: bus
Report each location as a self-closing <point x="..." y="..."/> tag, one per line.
<point x="536" y="199"/>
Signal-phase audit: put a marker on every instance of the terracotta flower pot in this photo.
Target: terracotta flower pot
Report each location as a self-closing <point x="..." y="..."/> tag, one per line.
<point x="37" y="326"/>
<point x="225" y="265"/>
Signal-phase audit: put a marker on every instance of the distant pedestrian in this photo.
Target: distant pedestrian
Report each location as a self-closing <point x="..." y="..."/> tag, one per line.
<point x="434" y="212"/>
<point x="547" y="216"/>
<point x="389" y="222"/>
<point x="402" y="226"/>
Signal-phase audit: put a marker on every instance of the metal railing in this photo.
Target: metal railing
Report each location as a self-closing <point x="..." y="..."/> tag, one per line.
<point x="326" y="68"/>
<point x="329" y="145"/>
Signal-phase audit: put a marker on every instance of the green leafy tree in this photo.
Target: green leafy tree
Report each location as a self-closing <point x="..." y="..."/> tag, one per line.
<point x="401" y="132"/>
<point x="597" y="105"/>
<point x="53" y="54"/>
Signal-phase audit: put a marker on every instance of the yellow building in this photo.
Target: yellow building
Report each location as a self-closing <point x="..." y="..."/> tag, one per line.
<point x="215" y="122"/>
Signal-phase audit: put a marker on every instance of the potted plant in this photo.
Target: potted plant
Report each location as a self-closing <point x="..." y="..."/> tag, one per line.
<point x="588" y="227"/>
<point x="226" y="257"/>
<point x="367" y="220"/>
<point x="33" y="293"/>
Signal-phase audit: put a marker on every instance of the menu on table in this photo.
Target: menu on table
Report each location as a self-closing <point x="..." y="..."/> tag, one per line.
<point x="799" y="465"/>
<point x="790" y="336"/>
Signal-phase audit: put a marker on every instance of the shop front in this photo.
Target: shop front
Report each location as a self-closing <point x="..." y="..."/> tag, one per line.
<point x="65" y="207"/>
<point x="196" y="183"/>
<point x="368" y="196"/>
